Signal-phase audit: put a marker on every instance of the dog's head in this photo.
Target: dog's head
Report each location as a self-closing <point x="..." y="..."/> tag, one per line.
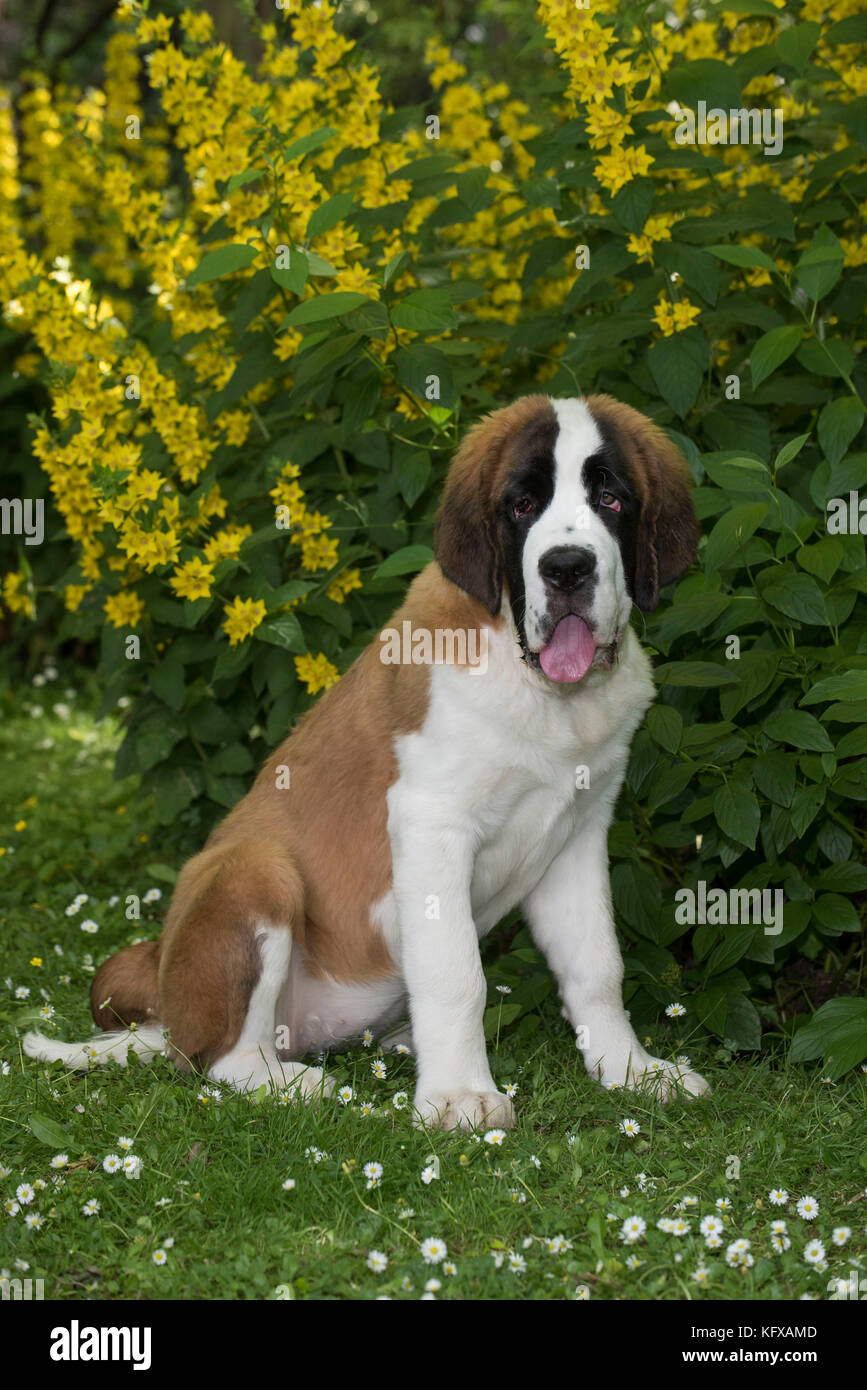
<point x="569" y="510"/>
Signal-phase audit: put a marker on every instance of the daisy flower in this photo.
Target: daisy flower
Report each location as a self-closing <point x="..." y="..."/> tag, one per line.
<point x="808" y="1208"/>
<point x="428" y="1174"/>
<point x="22" y="992"/>
<point x="433" y="1286"/>
<point x="723" y="1204"/>
<point x="373" y="1173"/>
<point x="377" y="1261"/>
<point x="780" y="1243"/>
<point x="633" y="1262"/>
<point x="25" y="1193"/>
<point x="778" y="1197"/>
<point x="675" y="1011"/>
<point x="60" y="1160"/>
<point x="33" y="1220"/>
<point x="700" y="1275"/>
<point x="11" y="1207"/>
<point x="632" y="1229"/>
<point x="153" y="895"/>
<point x="367" y="1038"/>
<point x="713" y="1241"/>
<point x="125" y="1143"/>
<point x="379" y="1069"/>
<point x="366" y="1107"/>
<point x="345" y="1095"/>
<point x="405" y="1213"/>
<point x="495" y="1136"/>
<point x="840" y="1234"/>
<point x="518" y="1196"/>
<point x="132" y="1166"/>
<point x="557" y="1244"/>
<point x="450" y="1267"/>
<point x="47" y="1011"/>
<point x="710" y="1225"/>
<point x="737" y="1254"/>
<point x="814" y="1252"/>
<point x="160" y="1257"/>
<point x="400" y="1100"/>
<point x="433" y="1250"/>
<point x="288" y="1185"/>
<point x="503" y="989"/>
<point x="517" y="1263"/>
<point x="111" y="1163"/>
<point x="630" y="1128"/>
<point x="90" y="1207"/>
<point x="510" y="1090"/>
<point x="402" y="1050"/>
<point x="778" y="1228"/>
<point x="89" y="926"/>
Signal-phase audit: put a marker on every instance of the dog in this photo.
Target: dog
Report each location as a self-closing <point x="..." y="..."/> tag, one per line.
<point x="417" y="802"/>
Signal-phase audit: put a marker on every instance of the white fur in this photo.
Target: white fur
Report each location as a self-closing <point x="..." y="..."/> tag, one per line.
<point x="145" y="1043"/>
<point x="569" y="520"/>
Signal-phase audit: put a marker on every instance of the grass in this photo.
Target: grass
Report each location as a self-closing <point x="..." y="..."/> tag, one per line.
<point x="211" y="1193"/>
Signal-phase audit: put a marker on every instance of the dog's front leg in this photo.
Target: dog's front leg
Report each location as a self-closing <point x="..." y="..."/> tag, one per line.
<point x="443" y="972"/>
<point x="571" y="919"/>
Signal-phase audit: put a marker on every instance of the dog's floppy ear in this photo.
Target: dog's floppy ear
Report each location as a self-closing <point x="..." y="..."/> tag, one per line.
<point x="466" y="539"/>
<point x="668" y="533"/>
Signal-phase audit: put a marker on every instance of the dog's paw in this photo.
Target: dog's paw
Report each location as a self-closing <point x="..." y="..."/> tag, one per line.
<point x="466" y="1110"/>
<point x="663" y="1080"/>
<point x="246" y="1069"/>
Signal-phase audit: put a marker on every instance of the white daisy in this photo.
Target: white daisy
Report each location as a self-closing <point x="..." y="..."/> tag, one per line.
<point x="433" y="1250"/>
<point x="778" y="1197"/>
<point x="808" y="1208"/>
<point x="630" y="1128"/>
<point x="377" y="1261"/>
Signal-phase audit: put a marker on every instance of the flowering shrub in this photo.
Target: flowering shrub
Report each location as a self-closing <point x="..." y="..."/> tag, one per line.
<point x="266" y="306"/>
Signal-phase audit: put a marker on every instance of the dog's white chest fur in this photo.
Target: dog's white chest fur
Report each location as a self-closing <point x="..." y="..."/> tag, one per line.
<point x="519" y="764"/>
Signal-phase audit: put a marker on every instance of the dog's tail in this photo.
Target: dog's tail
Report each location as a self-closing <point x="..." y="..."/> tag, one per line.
<point x="123" y="996"/>
<point x="146" y="1043"/>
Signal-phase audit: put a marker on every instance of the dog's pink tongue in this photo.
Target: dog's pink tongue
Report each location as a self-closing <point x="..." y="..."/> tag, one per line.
<point x="568" y="655"/>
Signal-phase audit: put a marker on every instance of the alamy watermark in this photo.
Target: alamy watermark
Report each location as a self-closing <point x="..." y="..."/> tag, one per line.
<point x="23" y="517"/>
<point x="722" y="907"/>
<point x="740" y="126"/>
<point x="418" y="646"/>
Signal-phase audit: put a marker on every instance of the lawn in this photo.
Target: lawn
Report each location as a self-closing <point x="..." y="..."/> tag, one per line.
<point x="255" y="1198"/>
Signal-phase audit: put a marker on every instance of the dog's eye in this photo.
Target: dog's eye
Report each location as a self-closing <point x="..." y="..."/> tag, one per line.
<point x="607" y="499"/>
<point x="525" y="506"/>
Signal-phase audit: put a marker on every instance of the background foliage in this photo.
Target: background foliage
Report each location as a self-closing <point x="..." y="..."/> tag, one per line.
<point x="276" y="291"/>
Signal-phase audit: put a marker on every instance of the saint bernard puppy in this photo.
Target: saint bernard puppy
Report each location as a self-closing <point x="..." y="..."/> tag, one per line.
<point x="425" y="801"/>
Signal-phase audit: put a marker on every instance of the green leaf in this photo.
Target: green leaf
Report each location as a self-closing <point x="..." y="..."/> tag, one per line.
<point x="698" y="673"/>
<point x="324" y="306"/>
<point x="836" y="913"/>
<point x="799" y="728"/>
<point x="677" y="365"/>
<point x="737" y="813"/>
<point x="163" y="873"/>
<point x="407" y="560"/>
<point x="167" y="680"/>
<point x="772" y="349"/>
<point x="282" y="630"/>
<point x="425" y="311"/>
<point x="795" y="45"/>
<point x="821" y="265"/>
<point x="413" y="472"/>
<point x="225" y="260"/>
<point x="731" y="533"/>
<point x="790" y="451"/>
<point x="799" y="597"/>
<point x="632" y="204"/>
<point x="328" y="214"/>
<point x="704" y="79"/>
<point x="239" y="180"/>
<point x="839" y="423"/>
<point x="743" y="1026"/>
<point x="852" y="29"/>
<point x="299" y="148"/>
<point x="774" y="772"/>
<point x="292" y="277"/>
<point x="666" y="727"/>
<point x="851" y="685"/>
<point x="743" y="256"/>
<point x="754" y="672"/>
<point x="50" y="1133"/>
<point x="665" y="786"/>
<point x="738" y="474"/>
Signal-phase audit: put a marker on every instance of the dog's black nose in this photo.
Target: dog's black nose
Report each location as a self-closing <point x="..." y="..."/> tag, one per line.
<point x="568" y="567"/>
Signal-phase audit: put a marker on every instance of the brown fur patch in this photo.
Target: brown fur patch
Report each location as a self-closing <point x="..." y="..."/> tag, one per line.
<point x="668" y="532"/>
<point x="467" y="540"/>
<point x="124" y="988"/>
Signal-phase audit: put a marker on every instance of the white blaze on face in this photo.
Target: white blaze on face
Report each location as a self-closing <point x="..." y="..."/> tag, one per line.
<point x="569" y="520"/>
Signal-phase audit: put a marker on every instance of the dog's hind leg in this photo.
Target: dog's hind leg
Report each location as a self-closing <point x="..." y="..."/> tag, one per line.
<point x="236" y="917"/>
<point x="253" y="1060"/>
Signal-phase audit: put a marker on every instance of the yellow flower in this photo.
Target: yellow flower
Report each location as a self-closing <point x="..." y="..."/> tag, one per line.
<point x="21" y="825"/>
<point x="193" y="580"/>
<point x="124" y="610"/>
<point x="73" y="596"/>
<point x="343" y="585"/>
<point x="226" y="544"/>
<point x="317" y="672"/>
<point x="36" y="960"/>
<point x="243" y="616"/>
